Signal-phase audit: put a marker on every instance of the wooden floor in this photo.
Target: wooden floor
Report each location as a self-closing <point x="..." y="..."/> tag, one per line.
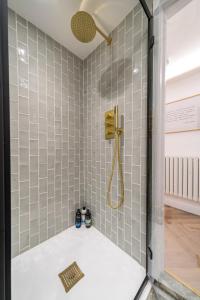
<point x="182" y="246"/>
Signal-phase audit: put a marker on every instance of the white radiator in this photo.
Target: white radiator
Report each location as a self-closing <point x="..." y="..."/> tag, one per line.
<point x="182" y="177"/>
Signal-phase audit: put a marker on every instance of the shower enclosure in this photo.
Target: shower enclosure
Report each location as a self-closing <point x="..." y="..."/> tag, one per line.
<point x="57" y="159"/>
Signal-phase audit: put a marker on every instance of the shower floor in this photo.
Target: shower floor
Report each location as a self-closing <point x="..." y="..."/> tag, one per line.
<point x="109" y="272"/>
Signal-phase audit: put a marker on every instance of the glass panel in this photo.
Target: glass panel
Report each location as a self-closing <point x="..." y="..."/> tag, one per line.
<point x="150" y="5"/>
<point x="60" y="90"/>
<point x="175" y="200"/>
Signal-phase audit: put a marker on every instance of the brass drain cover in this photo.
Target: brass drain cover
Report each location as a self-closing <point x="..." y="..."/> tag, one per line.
<point x="71" y="276"/>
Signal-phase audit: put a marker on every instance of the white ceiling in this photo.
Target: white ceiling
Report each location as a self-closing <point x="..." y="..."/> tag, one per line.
<point x="183" y="40"/>
<point x="54" y="17"/>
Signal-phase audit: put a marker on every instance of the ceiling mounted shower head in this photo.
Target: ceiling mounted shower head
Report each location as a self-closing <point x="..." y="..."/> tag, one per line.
<point x="84" y="28"/>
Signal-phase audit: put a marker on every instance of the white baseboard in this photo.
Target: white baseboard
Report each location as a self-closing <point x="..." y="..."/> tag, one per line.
<point x="183" y="204"/>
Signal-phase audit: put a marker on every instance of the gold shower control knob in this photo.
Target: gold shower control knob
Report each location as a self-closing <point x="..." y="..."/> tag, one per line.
<point x="109" y="123"/>
<point x="109" y="131"/>
<point x="109" y="115"/>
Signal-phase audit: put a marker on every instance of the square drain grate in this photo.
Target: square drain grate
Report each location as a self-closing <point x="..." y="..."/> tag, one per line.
<point x="71" y="276"/>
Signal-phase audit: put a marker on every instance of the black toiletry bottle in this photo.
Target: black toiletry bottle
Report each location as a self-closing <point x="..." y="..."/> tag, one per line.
<point x="78" y="219"/>
<point x="88" y="219"/>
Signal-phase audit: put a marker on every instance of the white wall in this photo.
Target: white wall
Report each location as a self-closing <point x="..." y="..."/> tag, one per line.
<point x="184" y="143"/>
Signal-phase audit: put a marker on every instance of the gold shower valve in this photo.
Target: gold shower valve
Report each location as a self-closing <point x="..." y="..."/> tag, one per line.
<point x="109" y="124"/>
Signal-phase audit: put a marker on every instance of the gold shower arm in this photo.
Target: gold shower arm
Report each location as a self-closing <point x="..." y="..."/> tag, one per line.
<point x="107" y="38"/>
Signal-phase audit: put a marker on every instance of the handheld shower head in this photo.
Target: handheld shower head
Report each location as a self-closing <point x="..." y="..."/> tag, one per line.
<point x="84" y="28"/>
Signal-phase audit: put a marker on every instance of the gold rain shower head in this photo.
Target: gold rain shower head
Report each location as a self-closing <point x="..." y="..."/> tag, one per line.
<point x="84" y="28"/>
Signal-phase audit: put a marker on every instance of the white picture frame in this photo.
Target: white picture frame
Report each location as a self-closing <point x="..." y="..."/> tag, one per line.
<point x="183" y="115"/>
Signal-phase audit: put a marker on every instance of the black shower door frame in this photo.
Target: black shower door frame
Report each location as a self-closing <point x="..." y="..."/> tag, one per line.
<point x="5" y="177"/>
<point x="5" y="181"/>
<point x="149" y="254"/>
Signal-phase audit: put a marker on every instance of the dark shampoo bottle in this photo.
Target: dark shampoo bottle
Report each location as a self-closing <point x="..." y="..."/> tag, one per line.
<point x="78" y="219"/>
<point x="88" y="219"/>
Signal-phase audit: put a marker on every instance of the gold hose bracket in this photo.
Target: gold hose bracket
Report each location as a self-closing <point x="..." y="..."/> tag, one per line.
<point x="117" y="132"/>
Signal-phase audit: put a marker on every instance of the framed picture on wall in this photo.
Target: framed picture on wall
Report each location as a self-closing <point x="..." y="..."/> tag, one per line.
<point x="183" y="115"/>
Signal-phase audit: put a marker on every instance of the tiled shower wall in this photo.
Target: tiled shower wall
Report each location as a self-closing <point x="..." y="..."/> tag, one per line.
<point x="118" y="75"/>
<point x="60" y="158"/>
<point x="45" y="96"/>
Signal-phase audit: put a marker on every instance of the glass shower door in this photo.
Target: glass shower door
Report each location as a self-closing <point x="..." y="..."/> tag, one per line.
<point x="60" y="160"/>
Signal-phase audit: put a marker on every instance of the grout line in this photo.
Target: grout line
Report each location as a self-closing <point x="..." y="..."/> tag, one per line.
<point x="29" y="214"/>
<point x="38" y="136"/>
<point x="18" y="134"/>
<point x="61" y="121"/>
<point x="47" y="137"/>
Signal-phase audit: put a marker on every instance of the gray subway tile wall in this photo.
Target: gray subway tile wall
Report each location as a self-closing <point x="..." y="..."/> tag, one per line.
<point x="60" y="159"/>
<point x="45" y="98"/>
<point x="118" y="75"/>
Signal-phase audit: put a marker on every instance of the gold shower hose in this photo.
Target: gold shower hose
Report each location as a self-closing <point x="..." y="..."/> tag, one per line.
<point x="116" y="156"/>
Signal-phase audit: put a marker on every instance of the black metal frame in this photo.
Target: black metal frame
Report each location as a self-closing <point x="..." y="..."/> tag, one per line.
<point x="149" y="254"/>
<point x="5" y="186"/>
<point x="149" y="137"/>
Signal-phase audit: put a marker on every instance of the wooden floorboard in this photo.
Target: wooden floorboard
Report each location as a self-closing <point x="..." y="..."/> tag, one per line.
<point x="182" y="246"/>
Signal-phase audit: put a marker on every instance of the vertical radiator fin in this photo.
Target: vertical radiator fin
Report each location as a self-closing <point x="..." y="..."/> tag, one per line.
<point x="199" y="177"/>
<point x="180" y="177"/>
<point x="171" y="175"/>
<point x="176" y="183"/>
<point x="185" y="177"/>
<point x="190" y="177"/>
<point x="167" y="175"/>
<point x="196" y="179"/>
